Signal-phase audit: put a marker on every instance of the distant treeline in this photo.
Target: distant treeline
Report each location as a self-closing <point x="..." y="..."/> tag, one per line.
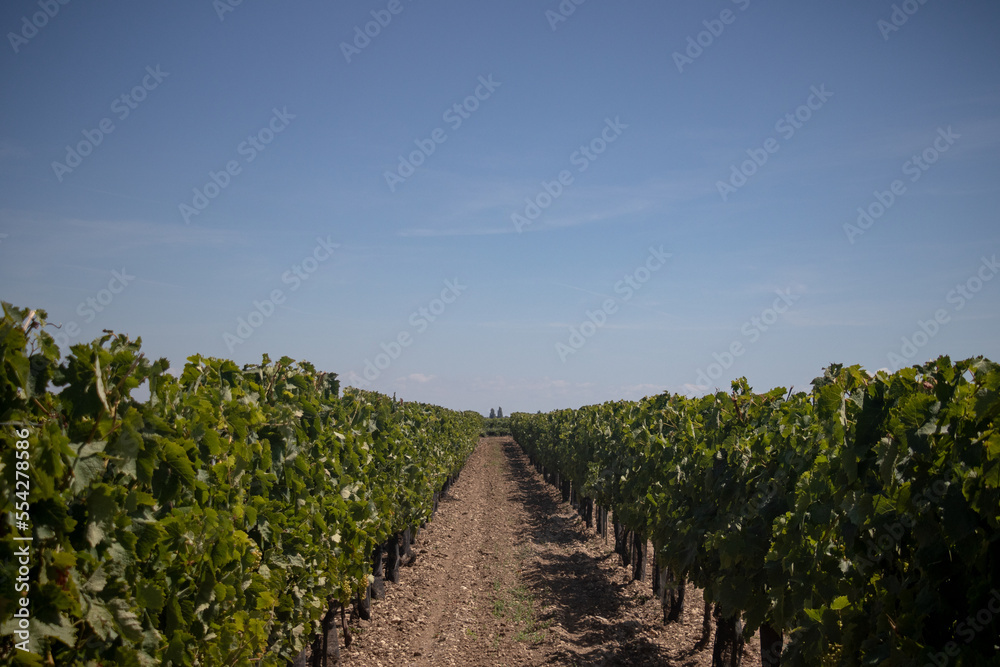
<point x="496" y="426"/>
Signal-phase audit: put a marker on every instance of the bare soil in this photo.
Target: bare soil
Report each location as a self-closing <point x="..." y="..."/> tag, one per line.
<point x="507" y="574"/>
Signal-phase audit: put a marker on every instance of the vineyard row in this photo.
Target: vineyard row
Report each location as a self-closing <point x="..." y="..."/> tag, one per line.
<point x="224" y="520"/>
<point x="854" y="524"/>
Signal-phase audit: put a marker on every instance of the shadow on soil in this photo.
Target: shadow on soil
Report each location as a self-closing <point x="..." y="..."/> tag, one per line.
<point x="587" y="603"/>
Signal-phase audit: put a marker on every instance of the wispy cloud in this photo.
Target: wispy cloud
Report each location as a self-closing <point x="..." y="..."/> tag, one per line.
<point x="544" y="386"/>
<point x="419" y="378"/>
<point x="478" y="207"/>
<point x="978" y="136"/>
<point x="119" y="195"/>
<point x="637" y="391"/>
<point x="430" y="233"/>
<point x="141" y="233"/>
<point x="106" y="237"/>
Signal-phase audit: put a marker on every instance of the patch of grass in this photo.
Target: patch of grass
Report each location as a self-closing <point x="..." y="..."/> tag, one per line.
<point x="530" y="637"/>
<point x="516" y="605"/>
<point x="496" y="460"/>
<point x="522" y="607"/>
<point x="499" y="607"/>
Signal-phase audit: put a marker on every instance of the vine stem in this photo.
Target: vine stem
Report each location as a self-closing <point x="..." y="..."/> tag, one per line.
<point x="114" y="416"/>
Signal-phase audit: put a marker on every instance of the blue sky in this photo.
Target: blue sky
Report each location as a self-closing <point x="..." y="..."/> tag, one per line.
<point x="249" y="159"/>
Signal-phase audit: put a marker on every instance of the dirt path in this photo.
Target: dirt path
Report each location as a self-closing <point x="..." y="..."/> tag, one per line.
<point x="506" y="574"/>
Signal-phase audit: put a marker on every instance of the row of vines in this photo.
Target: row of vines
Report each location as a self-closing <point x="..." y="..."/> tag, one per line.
<point x="855" y="524"/>
<point x="218" y="519"/>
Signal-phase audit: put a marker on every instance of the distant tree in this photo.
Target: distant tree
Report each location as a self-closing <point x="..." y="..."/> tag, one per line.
<point x="500" y="413"/>
<point x="493" y="413"/>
